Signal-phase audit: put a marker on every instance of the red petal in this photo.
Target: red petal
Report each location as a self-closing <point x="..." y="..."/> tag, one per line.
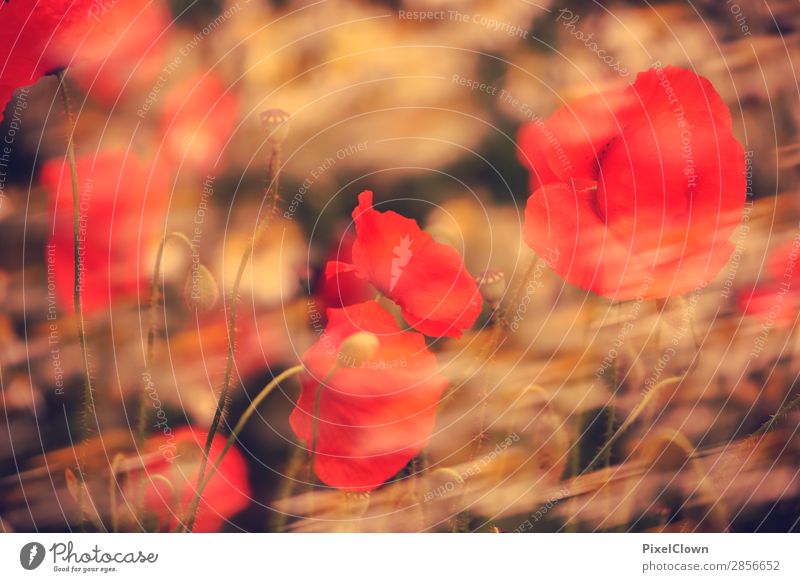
<point x="372" y="419"/>
<point x="426" y="279"/>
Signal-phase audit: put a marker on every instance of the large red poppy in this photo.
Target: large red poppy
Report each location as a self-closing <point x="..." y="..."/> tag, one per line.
<point x="637" y="191"/>
<point x="373" y="416"/>
<point x="120" y="222"/>
<point x="39" y="38"/>
<point x="428" y="280"/>
<point x="177" y="459"/>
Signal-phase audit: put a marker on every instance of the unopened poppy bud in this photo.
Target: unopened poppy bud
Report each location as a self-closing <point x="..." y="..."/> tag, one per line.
<point x="358" y="348"/>
<point x="492" y="284"/>
<point x="201" y="291"/>
<point x="276" y="125"/>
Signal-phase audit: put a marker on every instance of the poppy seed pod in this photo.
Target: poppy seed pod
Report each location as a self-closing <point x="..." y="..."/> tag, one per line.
<point x="492" y="284"/>
<point x="276" y="125"/>
<point x="370" y="421"/>
<point x="201" y="291"/>
<point x="358" y="348"/>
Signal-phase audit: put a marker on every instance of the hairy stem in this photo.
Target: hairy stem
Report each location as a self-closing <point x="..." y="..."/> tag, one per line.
<point x="88" y="394"/>
<point x="256" y="402"/>
<point x="155" y="299"/>
<point x="271" y="197"/>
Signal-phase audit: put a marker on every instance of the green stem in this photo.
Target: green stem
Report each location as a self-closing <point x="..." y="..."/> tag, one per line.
<point x="782" y="412"/>
<point x="271" y="195"/>
<point x="155" y="297"/>
<point x="643" y="404"/>
<point x="609" y="433"/>
<point x="88" y="394"/>
<point x="232" y="438"/>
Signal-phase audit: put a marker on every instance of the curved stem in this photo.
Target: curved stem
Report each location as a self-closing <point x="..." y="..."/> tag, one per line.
<point x="271" y="195"/>
<point x="88" y="394"/>
<point x="155" y="296"/>
<point x="643" y="403"/>
<point x="256" y="402"/>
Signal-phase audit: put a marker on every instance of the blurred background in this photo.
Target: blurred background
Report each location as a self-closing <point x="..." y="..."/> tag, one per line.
<point x="419" y="101"/>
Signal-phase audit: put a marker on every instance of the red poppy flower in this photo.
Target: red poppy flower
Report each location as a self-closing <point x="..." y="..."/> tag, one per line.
<point x="178" y="459"/>
<point x="120" y="213"/>
<point x="198" y="119"/>
<point x="39" y="38"/>
<point x="344" y="287"/>
<point x="428" y="280"/>
<point x="375" y="415"/>
<point x="637" y="191"/>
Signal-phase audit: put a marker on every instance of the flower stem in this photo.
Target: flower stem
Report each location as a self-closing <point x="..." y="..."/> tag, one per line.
<point x="256" y="402"/>
<point x="271" y="196"/>
<point x="781" y="413"/>
<point x="637" y="411"/>
<point x="88" y="394"/>
<point x="155" y="298"/>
